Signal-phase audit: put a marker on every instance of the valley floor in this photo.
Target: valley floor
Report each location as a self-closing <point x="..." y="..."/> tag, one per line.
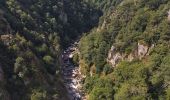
<point x="71" y="74"/>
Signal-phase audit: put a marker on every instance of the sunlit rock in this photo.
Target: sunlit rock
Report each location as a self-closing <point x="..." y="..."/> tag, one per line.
<point x="169" y="15"/>
<point x="114" y="57"/>
<point x="142" y="50"/>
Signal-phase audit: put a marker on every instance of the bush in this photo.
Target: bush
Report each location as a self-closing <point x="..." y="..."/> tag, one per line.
<point x="76" y="59"/>
<point x="48" y="59"/>
<point x="38" y="95"/>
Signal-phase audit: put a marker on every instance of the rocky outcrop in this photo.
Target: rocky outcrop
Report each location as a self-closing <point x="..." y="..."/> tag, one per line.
<point x="140" y="52"/>
<point x="6" y="39"/>
<point x="114" y="57"/>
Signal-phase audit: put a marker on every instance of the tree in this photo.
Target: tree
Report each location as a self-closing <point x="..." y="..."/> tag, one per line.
<point x="76" y="58"/>
<point x="107" y="69"/>
<point x="48" y="59"/>
<point x="101" y="94"/>
<point x="19" y="63"/>
<point x="38" y="95"/>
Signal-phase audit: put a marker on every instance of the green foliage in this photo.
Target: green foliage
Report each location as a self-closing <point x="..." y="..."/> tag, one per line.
<point x="38" y="95"/>
<point x="48" y="59"/>
<point x="131" y="92"/>
<point x="168" y="94"/>
<point x="76" y="59"/>
<point x="99" y="88"/>
<point x="105" y="5"/>
<point x="101" y="94"/>
<point x="94" y="49"/>
<point x="129" y="23"/>
<point x="107" y="69"/>
<point x="131" y="81"/>
<point x="40" y="30"/>
<point x="20" y="67"/>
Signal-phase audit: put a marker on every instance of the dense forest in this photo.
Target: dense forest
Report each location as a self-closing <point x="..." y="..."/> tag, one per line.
<point x="124" y="48"/>
<point x="125" y="26"/>
<point x="33" y="34"/>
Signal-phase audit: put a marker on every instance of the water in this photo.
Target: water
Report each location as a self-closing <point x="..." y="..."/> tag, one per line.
<point x="71" y="74"/>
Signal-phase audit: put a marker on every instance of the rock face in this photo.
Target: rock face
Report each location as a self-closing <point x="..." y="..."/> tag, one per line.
<point x="169" y="15"/>
<point x="114" y="57"/>
<point x="6" y="39"/>
<point x="140" y="52"/>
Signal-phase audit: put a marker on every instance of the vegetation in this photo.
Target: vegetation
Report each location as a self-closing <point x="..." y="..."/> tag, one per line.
<point x="33" y="34"/>
<point x="130" y="22"/>
<point x="40" y="29"/>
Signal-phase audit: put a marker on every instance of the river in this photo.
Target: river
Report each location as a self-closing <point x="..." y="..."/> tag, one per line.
<point x="71" y="74"/>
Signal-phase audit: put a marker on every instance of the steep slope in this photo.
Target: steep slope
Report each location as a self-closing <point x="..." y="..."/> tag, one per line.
<point x="33" y="34"/>
<point x="126" y="56"/>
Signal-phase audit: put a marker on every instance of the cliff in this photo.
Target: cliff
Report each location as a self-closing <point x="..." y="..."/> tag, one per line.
<point x="142" y="50"/>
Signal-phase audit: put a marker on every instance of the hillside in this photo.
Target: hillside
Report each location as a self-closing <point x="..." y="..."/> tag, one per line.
<point x="33" y="34"/>
<point x="127" y="56"/>
<point x="123" y="52"/>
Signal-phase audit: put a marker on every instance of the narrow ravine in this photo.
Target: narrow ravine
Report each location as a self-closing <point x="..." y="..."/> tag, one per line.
<point x="71" y="74"/>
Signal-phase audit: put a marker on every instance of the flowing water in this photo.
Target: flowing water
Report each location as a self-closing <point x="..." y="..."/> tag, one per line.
<point x="71" y="74"/>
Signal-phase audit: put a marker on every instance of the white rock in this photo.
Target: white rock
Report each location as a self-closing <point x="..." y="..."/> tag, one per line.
<point x="142" y="50"/>
<point x="169" y="15"/>
<point x="114" y="57"/>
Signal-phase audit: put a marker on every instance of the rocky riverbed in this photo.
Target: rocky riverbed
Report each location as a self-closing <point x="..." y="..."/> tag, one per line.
<point x="71" y="75"/>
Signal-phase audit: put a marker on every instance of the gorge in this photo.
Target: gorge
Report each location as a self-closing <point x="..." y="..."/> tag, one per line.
<point x="84" y="50"/>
